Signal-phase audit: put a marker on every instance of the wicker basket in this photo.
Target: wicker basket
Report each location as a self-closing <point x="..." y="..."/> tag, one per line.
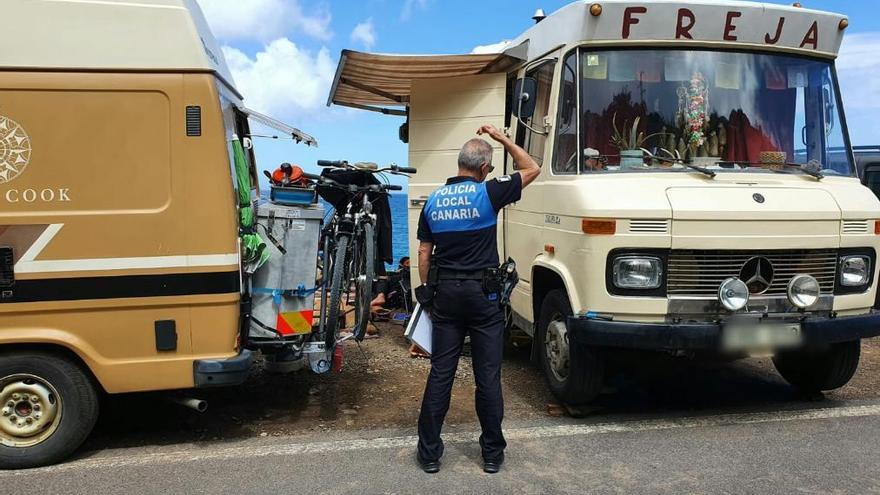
<point x="774" y="160"/>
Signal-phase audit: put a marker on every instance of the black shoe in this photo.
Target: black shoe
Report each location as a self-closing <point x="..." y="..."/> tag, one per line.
<point x="429" y="467"/>
<point x="492" y="467"/>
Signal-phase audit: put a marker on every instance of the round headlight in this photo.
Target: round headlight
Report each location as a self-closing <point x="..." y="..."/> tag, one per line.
<point x="733" y="294"/>
<point x="803" y="291"/>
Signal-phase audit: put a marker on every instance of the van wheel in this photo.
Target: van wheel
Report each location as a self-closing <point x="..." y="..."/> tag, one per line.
<point x="49" y="407"/>
<point x="815" y="371"/>
<point x="574" y="373"/>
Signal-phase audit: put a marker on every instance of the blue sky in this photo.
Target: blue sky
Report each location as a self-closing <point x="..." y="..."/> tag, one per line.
<point x="283" y="54"/>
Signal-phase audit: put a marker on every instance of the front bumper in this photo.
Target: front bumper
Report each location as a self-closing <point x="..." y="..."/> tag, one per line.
<point x="222" y="372"/>
<point x="815" y="331"/>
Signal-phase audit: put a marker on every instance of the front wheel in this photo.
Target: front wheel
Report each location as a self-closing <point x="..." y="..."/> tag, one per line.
<point x="820" y="370"/>
<point x="337" y="279"/>
<point x="366" y="273"/>
<point x="574" y="373"/>
<point x="49" y="407"/>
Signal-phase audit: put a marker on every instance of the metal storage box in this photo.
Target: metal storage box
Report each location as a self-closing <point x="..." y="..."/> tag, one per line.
<point x="284" y="288"/>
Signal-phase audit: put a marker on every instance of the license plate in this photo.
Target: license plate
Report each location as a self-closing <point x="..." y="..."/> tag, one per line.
<point x="760" y="336"/>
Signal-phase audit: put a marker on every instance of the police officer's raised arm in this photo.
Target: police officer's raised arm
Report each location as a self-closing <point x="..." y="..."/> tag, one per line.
<point x="527" y="167"/>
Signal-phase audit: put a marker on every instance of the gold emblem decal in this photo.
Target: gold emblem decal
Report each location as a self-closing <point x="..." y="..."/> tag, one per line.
<point x="15" y="149"/>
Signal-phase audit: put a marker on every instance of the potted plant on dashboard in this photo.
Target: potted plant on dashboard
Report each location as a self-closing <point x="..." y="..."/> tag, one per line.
<point x="630" y="143"/>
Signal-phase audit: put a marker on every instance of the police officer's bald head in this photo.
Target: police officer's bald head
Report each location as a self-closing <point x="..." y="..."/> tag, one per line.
<point x="474" y="154"/>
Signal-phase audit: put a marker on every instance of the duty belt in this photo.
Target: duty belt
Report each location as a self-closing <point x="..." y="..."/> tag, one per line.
<point x="460" y="275"/>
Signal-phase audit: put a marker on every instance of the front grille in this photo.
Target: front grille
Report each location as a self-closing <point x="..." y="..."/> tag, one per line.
<point x="700" y="273"/>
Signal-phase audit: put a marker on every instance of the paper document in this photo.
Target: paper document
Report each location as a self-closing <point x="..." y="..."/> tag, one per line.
<point x="419" y="329"/>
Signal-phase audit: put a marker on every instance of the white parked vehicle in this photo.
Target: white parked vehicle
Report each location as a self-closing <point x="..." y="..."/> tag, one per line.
<point x="699" y="191"/>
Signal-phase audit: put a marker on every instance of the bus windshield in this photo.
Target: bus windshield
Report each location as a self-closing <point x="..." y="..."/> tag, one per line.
<point x="726" y="111"/>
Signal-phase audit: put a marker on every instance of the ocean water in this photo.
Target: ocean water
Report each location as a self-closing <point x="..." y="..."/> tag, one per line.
<point x="399" y="206"/>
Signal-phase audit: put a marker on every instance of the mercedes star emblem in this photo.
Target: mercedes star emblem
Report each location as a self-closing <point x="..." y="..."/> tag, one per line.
<point x="758" y="197"/>
<point x="757" y="273"/>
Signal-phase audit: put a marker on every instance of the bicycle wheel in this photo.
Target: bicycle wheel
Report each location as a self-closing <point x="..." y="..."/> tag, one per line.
<point x="337" y="284"/>
<point x="366" y="272"/>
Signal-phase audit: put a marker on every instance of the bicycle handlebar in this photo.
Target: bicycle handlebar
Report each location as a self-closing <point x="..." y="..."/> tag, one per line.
<point x="393" y="187"/>
<point x="366" y="167"/>
<point x="333" y="163"/>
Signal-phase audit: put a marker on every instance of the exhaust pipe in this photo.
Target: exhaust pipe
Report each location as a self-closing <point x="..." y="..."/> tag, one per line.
<point x="198" y="405"/>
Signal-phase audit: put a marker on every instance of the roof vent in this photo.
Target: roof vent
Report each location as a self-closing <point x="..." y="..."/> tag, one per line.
<point x="539" y="16"/>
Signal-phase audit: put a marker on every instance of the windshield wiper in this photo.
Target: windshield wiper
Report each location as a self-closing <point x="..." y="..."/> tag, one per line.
<point x="678" y="160"/>
<point x="809" y="168"/>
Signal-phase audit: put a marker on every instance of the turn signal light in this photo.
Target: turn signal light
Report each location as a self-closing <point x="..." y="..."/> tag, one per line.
<point x="877" y="227"/>
<point x="598" y="227"/>
<point x="550" y="248"/>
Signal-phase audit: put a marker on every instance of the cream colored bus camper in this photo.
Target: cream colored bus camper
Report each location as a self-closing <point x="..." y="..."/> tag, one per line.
<point x="698" y="196"/>
<point x="119" y="234"/>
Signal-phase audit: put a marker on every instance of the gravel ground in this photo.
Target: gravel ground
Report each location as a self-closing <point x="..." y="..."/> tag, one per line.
<point x="381" y="386"/>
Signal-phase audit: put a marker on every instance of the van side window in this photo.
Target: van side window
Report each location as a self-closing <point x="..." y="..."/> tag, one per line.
<point x="872" y="178"/>
<point x="565" y="154"/>
<point x="534" y="142"/>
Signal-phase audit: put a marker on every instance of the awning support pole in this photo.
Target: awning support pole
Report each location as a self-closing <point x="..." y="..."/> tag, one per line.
<point x="386" y="111"/>
<point x="375" y="91"/>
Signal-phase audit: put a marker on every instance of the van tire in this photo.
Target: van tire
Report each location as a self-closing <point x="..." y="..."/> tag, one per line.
<point x="817" y="371"/>
<point x="586" y="367"/>
<point x="77" y="396"/>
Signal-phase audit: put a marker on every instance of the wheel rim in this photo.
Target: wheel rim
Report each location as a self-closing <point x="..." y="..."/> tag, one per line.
<point x="556" y="348"/>
<point x="364" y="291"/>
<point x="31" y="410"/>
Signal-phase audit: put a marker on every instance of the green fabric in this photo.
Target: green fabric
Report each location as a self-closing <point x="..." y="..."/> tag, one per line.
<point x="254" y="252"/>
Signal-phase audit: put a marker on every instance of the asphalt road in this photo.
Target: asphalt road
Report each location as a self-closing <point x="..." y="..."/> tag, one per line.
<point x="806" y="448"/>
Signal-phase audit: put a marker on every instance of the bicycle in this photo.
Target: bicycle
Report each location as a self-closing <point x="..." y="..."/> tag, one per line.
<point x="350" y="241"/>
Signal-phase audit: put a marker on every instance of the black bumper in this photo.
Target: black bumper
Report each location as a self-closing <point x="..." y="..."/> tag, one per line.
<point x="222" y="372"/>
<point x="815" y="331"/>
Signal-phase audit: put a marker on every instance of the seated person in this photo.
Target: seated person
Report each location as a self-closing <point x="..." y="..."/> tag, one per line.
<point x="394" y="291"/>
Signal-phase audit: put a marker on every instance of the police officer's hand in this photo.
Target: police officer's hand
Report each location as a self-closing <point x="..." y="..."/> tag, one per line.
<point x="492" y="132"/>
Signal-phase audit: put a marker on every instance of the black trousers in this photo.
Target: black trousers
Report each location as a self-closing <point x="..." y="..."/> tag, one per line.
<point x="462" y="308"/>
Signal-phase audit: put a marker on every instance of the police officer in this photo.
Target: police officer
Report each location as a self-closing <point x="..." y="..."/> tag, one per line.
<point x="458" y="241"/>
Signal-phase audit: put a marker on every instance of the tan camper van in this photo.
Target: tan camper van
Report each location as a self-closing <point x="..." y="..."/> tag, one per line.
<point x="699" y="194"/>
<point x="119" y="235"/>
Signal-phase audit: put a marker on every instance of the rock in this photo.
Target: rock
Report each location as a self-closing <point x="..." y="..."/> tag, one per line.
<point x="349" y="412"/>
<point x="555" y="410"/>
<point x="264" y="434"/>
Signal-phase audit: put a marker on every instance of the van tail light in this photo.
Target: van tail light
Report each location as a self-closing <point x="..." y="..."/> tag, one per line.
<point x="877" y="227"/>
<point x="594" y="226"/>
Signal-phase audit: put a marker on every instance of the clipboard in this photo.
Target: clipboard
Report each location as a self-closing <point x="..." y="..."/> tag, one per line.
<point x="419" y="330"/>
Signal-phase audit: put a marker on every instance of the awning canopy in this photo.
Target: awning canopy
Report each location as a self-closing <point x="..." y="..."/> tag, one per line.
<point x="293" y="132"/>
<point x="376" y="82"/>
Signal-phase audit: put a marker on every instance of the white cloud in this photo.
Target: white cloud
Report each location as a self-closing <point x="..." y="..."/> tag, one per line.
<point x="858" y="69"/>
<point x="365" y="34"/>
<point x="493" y="48"/>
<point x="283" y="80"/>
<point x="409" y="7"/>
<point x="264" y="20"/>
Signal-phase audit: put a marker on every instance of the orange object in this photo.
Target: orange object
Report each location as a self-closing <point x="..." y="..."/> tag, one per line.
<point x="287" y="174"/>
<point x="550" y="248"/>
<point x="877" y="227"/>
<point x="598" y="227"/>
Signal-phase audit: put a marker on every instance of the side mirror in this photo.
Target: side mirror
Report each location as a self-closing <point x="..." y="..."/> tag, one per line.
<point x="403" y="132"/>
<point x="524" y="98"/>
